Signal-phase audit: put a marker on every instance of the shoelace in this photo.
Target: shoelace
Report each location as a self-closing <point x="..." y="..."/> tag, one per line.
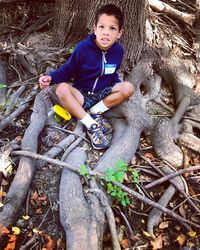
<point x="98" y="135"/>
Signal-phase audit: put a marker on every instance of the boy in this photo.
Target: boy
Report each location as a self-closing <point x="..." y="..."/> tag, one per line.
<point x="93" y="66"/>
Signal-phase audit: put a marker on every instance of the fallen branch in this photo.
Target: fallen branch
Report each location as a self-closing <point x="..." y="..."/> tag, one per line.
<point x="173" y="182"/>
<point x="165" y="8"/>
<point x="172" y="175"/>
<point x="18" y="111"/>
<point x="109" y="214"/>
<point x="123" y="187"/>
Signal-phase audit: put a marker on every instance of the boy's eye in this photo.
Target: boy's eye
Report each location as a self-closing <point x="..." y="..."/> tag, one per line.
<point x="113" y="28"/>
<point x="101" y="26"/>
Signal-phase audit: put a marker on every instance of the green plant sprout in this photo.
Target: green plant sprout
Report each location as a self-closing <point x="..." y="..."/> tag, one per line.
<point x="71" y="50"/>
<point x="116" y="174"/>
<point x="84" y="171"/>
<point x="2" y="85"/>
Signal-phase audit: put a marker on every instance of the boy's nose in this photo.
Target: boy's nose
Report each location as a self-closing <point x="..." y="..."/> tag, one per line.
<point x="106" y="32"/>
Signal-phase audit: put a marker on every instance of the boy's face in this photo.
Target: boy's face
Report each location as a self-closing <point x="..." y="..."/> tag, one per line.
<point x="107" y="31"/>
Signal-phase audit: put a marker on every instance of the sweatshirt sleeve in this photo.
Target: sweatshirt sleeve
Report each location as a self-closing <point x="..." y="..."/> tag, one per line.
<point x="117" y="77"/>
<point x="65" y="72"/>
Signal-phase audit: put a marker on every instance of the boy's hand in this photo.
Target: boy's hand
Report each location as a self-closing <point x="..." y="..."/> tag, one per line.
<point x="44" y="81"/>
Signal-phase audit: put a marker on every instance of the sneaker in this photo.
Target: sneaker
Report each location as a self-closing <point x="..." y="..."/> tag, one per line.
<point x="102" y="123"/>
<point x="98" y="139"/>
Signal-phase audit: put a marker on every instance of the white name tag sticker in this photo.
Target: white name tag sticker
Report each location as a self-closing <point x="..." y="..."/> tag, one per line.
<point x="110" y="68"/>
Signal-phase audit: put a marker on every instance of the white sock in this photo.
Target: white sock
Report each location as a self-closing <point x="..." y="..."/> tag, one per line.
<point x="88" y="121"/>
<point x="99" y="108"/>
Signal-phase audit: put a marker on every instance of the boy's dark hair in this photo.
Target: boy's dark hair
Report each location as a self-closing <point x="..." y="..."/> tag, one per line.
<point x="110" y="10"/>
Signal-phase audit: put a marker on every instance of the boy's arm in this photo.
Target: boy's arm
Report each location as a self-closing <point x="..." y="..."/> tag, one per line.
<point x="116" y="77"/>
<point x="66" y="71"/>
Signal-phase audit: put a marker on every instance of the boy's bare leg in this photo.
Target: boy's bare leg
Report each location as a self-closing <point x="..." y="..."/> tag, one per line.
<point x="71" y="99"/>
<point x="120" y="92"/>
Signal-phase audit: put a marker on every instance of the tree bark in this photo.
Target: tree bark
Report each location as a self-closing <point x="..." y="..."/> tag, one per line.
<point x="69" y="22"/>
<point x="72" y="16"/>
<point x="26" y="168"/>
<point x="83" y="231"/>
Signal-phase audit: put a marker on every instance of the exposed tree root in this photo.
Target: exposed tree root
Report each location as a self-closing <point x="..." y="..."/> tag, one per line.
<point x="75" y="214"/>
<point x="23" y="177"/>
<point x="155" y="214"/>
<point x="165" y="8"/>
<point x="82" y="215"/>
<point x="23" y="106"/>
<point x="123" y="187"/>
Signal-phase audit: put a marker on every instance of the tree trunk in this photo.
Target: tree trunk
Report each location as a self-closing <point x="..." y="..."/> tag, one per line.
<point x="69" y="22"/>
<point x="72" y="16"/>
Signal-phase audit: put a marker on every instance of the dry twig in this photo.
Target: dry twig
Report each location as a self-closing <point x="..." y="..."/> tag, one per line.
<point x="98" y="174"/>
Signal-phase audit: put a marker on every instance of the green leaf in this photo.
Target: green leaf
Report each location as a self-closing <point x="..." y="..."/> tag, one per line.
<point x="128" y="202"/>
<point x="121" y="165"/>
<point x="135" y="177"/>
<point x="84" y="170"/>
<point x="110" y="187"/>
<point x="113" y="193"/>
<point x="120" y="176"/>
<point x="123" y="202"/>
<point x="109" y="174"/>
<point x="71" y="50"/>
<point x="2" y="85"/>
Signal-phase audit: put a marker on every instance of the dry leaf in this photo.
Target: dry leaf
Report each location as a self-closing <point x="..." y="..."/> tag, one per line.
<point x="182" y="210"/>
<point x="36" y="231"/>
<point x="181" y="239"/>
<point x="149" y="156"/>
<point x="124" y="243"/>
<point x="148" y="234"/>
<point x="4" y="231"/>
<point x="49" y="245"/>
<point x="191" y="190"/>
<point x="4" y="182"/>
<point x="166" y="240"/>
<point x="120" y="233"/>
<point x="178" y="228"/>
<point x="3" y="193"/>
<point x="16" y="230"/>
<point x="157" y="243"/>
<point x="11" y="243"/>
<point x="133" y="160"/>
<point x="164" y="224"/>
<point x="26" y="217"/>
<point x="38" y="211"/>
<point x="192" y="234"/>
<point x="117" y="219"/>
<point x="18" y="138"/>
<point x="59" y="243"/>
<point x="190" y="244"/>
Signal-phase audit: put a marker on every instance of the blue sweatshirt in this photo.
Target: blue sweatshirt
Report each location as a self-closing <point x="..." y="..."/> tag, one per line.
<point x="90" y="68"/>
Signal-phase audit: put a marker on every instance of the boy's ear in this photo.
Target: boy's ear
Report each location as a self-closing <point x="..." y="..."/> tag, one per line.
<point x="120" y="33"/>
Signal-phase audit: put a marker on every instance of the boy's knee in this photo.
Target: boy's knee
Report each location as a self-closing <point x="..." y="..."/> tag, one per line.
<point x="62" y="89"/>
<point x="127" y="90"/>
